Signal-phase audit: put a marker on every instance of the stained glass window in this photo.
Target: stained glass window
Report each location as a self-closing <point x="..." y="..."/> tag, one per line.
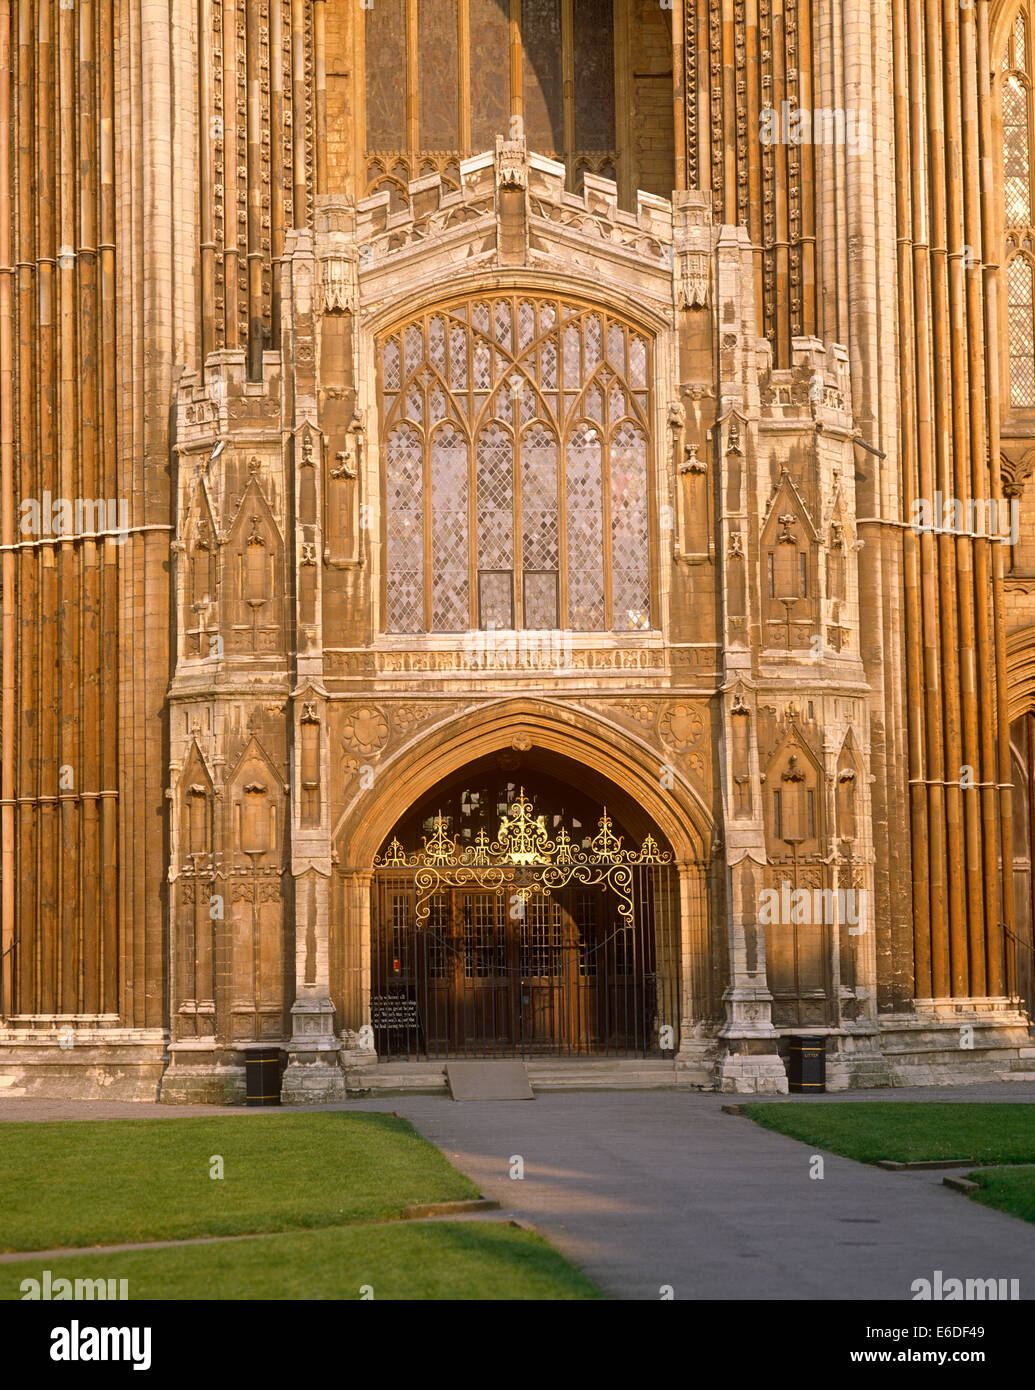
<point x="516" y="455"/>
<point x="1017" y="137"/>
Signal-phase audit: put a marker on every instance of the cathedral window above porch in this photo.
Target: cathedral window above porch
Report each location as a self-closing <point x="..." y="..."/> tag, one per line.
<point x="515" y="446"/>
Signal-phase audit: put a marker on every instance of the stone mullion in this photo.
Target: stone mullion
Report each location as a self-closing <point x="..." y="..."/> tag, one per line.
<point x="206" y="177"/>
<point x="230" y="171"/>
<point x="767" y="82"/>
<point x="47" y="847"/>
<point x="276" y="164"/>
<point x="682" y="55"/>
<point x="805" y="250"/>
<point x="963" y="368"/>
<point x="149" y="551"/>
<point x="937" y="946"/>
<point x="70" y="575"/>
<point x="779" y="260"/>
<point x="996" y="856"/>
<point x="793" y="184"/>
<point x="298" y="101"/>
<point x="319" y="15"/>
<point x="23" y="781"/>
<point x="8" y="638"/>
<point x="89" y="772"/>
<point x="912" y="545"/>
<point x="954" y="979"/>
<point x="749" y="174"/>
<point x="108" y="904"/>
<point x="986" y="867"/>
<point x="253" y="165"/>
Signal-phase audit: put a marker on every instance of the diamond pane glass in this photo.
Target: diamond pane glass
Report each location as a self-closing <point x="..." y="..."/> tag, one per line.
<point x="391" y="365"/>
<point x="540" y="596"/>
<point x="585" y="533"/>
<point x="495" y="460"/>
<point x="404" y="479"/>
<point x="503" y="327"/>
<point x="414" y="349"/>
<point x="458" y="358"/>
<point x="629" y="575"/>
<point x="616" y="347"/>
<point x="572" y="365"/>
<point x="539" y="547"/>
<point x="637" y="362"/>
<point x="437" y="345"/>
<point x="548" y="366"/>
<point x="594" y="346"/>
<point x="496" y="599"/>
<point x="449" y="541"/>
<point x="1022" y="332"/>
<point x="526" y="323"/>
<point x="1016" y="154"/>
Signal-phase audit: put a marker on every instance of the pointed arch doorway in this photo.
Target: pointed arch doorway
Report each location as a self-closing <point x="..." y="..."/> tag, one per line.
<point x="514" y="913"/>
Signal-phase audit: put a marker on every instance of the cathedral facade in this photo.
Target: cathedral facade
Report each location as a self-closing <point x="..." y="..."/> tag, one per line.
<point x="517" y="540"/>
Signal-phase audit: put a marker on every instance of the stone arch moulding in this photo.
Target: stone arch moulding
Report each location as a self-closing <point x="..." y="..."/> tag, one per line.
<point x="1020" y="671"/>
<point x="574" y="734"/>
<point x="541" y="280"/>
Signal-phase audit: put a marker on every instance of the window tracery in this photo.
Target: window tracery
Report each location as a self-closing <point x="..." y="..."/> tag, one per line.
<point x="516" y="444"/>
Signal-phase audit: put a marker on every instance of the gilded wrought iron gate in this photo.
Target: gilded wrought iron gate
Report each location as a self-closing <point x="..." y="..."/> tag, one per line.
<point x="569" y="952"/>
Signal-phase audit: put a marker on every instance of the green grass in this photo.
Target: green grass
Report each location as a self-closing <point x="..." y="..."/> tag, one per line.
<point x="907" y="1131"/>
<point x="1007" y="1189"/>
<point x="447" y="1260"/>
<point x="107" y="1182"/>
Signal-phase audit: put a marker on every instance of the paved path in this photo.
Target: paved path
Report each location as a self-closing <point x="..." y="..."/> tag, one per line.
<point x="658" y="1188"/>
<point x="654" y="1188"/>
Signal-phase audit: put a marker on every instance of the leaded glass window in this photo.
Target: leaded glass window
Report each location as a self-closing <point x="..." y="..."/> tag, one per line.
<point x="427" y="107"/>
<point x="516" y="463"/>
<point x="1016" y="96"/>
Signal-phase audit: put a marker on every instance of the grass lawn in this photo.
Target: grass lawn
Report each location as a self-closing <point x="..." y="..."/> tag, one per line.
<point x="433" y="1260"/>
<point x="907" y="1131"/>
<point x="1007" y="1189"/>
<point x="102" y="1182"/>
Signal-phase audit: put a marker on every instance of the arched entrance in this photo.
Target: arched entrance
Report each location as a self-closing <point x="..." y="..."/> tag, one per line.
<point x="515" y="911"/>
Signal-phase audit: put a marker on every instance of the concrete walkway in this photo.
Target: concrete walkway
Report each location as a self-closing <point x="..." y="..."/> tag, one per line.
<point x="655" y="1188"/>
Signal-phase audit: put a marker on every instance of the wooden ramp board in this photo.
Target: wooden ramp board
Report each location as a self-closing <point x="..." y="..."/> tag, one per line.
<point x="488" y="1081"/>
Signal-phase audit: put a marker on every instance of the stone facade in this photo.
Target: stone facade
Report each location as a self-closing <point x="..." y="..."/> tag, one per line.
<point x="214" y="732"/>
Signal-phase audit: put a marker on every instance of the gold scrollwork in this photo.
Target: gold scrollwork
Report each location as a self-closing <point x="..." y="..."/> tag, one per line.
<point x="522" y="842"/>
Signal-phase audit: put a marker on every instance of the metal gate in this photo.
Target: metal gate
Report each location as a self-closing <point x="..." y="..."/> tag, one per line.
<point x="474" y="954"/>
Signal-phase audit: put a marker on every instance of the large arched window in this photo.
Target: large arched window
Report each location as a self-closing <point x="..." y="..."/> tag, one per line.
<point x="516" y="436"/>
<point x="1017" y="201"/>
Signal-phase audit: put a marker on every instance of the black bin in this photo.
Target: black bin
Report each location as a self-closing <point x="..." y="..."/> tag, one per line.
<point x="807" y="1064"/>
<point x="262" y="1075"/>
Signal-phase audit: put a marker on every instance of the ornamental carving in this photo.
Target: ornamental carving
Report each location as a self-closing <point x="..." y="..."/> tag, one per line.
<point x="365" y="730"/>
<point x="682" y="726"/>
